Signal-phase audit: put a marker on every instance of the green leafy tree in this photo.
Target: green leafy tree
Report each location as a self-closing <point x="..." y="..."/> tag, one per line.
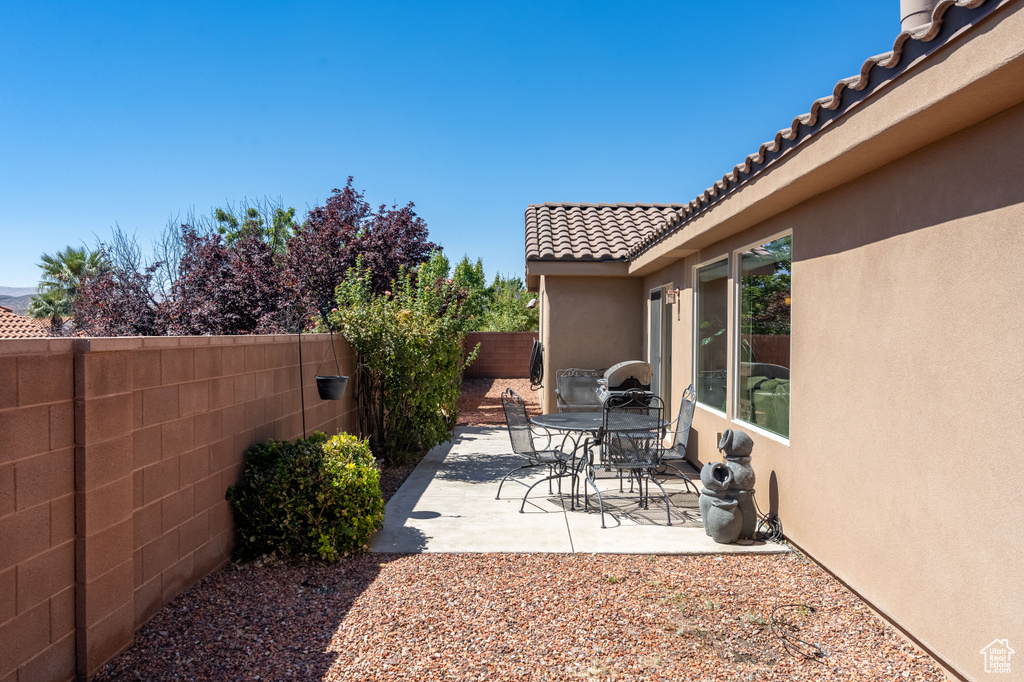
<point x="273" y="224"/>
<point x="507" y="311"/>
<point x="766" y="296"/>
<point x="470" y="277"/>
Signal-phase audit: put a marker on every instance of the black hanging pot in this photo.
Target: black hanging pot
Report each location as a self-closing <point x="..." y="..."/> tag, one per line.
<point x="331" y="387"/>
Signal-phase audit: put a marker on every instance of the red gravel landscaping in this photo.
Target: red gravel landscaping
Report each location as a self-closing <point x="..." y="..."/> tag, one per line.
<point x="520" y="617"/>
<point x="480" y="403"/>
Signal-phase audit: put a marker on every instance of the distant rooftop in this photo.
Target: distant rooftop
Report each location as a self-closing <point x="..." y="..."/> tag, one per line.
<point x="17" y="327"/>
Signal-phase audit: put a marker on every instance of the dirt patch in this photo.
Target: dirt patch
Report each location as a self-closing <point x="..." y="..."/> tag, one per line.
<point x="480" y="403"/>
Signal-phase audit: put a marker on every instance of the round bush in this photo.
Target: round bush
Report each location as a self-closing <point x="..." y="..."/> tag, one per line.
<point x="318" y="497"/>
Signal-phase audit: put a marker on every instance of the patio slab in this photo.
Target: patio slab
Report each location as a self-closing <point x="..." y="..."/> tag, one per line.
<point x="447" y="505"/>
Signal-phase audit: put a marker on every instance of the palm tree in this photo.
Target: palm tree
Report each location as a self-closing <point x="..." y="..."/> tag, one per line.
<point x="67" y="270"/>
<point x="64" y="274"/>
<point x="52" y="304"/>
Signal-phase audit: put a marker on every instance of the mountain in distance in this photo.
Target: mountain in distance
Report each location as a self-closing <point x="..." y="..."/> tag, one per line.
<point x="17" y="298"/>
<point x="18" y="291"/>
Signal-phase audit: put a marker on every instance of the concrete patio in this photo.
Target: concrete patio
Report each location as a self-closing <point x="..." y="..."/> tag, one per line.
<point x="448" y="505"/>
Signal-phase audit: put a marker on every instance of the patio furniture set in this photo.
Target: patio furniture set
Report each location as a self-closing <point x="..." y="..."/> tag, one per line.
<point x="610" y="426"/>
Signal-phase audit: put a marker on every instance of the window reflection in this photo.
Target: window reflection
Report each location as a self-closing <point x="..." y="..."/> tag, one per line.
<point x="765" y="303"/>
<point x="712" y="350"/>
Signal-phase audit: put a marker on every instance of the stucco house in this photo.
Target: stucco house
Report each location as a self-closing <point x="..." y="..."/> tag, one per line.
<point x="849" y="295"/>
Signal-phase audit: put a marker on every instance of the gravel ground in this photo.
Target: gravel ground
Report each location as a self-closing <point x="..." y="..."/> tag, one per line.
<point x="480" y="404"/>
<point x="519" y="617"/>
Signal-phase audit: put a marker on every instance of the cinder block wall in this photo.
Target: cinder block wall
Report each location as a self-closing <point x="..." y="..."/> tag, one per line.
<point x="37" y="510"/>
<point x="503" y="355"/>
<point x="115" y="455"/>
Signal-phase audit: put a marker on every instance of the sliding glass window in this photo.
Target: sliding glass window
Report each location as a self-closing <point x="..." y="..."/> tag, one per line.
<point x="712" y="312"/>
<point x="765" y="299"/>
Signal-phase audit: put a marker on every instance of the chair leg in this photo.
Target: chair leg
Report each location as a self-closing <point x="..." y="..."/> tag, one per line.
<point x="599" y="501"/>
<point x="525" y="466"/>
<point x="558" y="475"/>
<point x="668" y="511"/>
<point x="577" y="475"/>
<point x="686" y="479"/>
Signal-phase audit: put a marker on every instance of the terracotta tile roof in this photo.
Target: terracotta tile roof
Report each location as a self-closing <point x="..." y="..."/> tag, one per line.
<point x="948" y="18"/>
<point x="17" y="327"/>
<point x="590" y="232"/>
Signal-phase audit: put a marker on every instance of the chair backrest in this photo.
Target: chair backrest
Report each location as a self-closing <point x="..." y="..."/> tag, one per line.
<point x="518" y="422"/>
<point x="686" y="407"/>
<point x="763" y="369"/>
<point x="576" y="389"/>
<point x="631" y="430"/>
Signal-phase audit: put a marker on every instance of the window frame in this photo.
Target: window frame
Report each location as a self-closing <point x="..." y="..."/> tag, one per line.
<point x="736" y="275"/>
<point x="695" y="330"/>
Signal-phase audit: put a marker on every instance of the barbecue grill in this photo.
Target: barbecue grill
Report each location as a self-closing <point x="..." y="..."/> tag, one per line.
<point x="632" y="374"/>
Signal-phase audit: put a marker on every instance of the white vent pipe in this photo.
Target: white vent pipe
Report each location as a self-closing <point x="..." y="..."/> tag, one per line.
<point x="915" y="14"/>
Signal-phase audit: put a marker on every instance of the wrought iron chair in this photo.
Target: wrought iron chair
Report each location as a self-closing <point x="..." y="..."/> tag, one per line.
<point x="576" y="390"/>
<point x="681" y="429"/>
<point x="630" y="440"/>
<point x="521" y="435"/>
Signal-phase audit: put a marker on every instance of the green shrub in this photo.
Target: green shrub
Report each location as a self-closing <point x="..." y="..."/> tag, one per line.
<point x="317" y="497"/>
<point x="409" y="356"/>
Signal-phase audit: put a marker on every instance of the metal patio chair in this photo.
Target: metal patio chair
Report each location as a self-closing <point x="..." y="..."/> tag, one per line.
<point x="681" y="429"/>
<point x="630" y="440"/>
<point x="521" y="434"/>
<point x="576" y="390"/>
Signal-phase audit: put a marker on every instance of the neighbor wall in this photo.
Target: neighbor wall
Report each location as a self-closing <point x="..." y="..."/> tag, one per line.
<point x="121" y="450"/>
<point x="37" y="510"/>
<point x="502" y="355"/>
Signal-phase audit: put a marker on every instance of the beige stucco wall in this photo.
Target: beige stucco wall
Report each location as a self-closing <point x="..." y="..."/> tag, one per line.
<point x="587" y="322"/>
<point x="902" y="474"/>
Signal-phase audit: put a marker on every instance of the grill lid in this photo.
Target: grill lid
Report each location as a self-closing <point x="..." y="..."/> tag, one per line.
<point x="629" y="374"/>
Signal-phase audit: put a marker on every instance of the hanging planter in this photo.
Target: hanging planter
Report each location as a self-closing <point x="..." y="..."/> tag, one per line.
<point x="331" y="387"/>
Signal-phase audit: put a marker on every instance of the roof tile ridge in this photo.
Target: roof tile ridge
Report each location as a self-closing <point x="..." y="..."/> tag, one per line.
<point x="930" y="31"/>
<point x="887" y="60"/>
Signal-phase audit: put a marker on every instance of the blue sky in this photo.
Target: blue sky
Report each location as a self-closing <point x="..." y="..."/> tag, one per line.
<point x="135" y="112"/>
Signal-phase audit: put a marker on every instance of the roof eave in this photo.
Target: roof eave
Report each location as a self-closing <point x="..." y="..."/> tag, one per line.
<point x="945" y="91"/>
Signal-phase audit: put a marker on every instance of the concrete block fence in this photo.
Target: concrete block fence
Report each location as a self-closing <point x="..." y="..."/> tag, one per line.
<point x="504" y="355"/>
<point x="115" y="455"/>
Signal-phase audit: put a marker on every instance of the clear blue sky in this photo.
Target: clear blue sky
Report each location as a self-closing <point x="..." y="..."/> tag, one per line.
<point x="134" y="112"/>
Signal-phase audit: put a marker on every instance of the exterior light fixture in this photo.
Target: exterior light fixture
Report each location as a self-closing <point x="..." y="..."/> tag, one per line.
<point x="532" y="303"/>
<point x="672" y="296"/>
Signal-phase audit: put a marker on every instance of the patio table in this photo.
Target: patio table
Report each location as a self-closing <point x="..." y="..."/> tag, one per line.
<point x="581" y="424"/>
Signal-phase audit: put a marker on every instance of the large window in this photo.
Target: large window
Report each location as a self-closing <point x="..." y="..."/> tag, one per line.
<point x="712" y="352"/>
<point x="765" y="297"/>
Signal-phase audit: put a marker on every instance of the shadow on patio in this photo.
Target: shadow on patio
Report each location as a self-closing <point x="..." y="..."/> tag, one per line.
<point x="448" y="505"/>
